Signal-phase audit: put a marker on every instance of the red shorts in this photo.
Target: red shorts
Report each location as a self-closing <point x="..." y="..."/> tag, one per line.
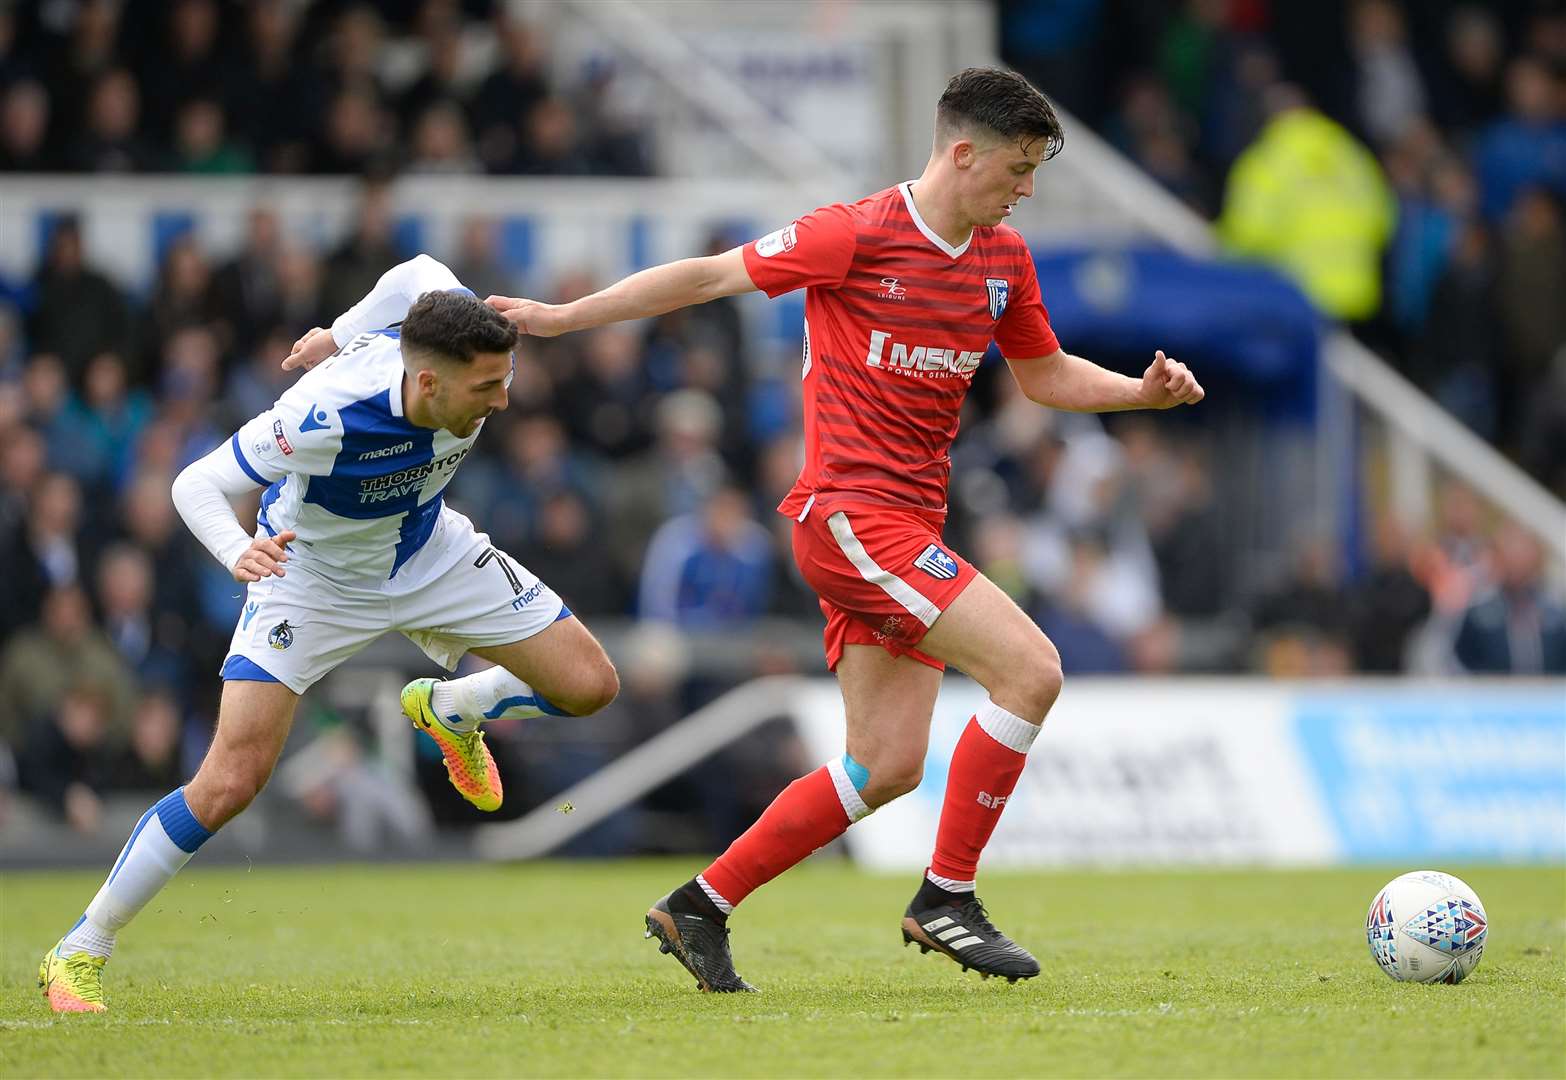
<point x="883" y="576"/>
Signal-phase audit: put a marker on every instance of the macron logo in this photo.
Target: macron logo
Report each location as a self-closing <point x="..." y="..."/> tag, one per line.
<point x="387" y="451"/>
<point x="524" y="599"/>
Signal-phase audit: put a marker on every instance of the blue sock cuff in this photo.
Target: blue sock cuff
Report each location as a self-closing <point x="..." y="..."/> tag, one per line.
<point x="535" y="699"/>
<point x="174" y="815"/>
<point x="858" y="775"/>
<point x="549" y="707"/>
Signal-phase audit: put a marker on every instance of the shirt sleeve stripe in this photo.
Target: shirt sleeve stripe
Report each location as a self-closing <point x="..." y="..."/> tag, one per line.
<point x="239" y="455"/>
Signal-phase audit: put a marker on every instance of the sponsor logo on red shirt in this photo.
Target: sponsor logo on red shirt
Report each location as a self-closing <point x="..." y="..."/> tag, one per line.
<point x="930" y="361"/>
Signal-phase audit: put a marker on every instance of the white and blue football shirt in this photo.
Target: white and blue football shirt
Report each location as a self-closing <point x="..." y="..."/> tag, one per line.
<point x="344" y="469"/>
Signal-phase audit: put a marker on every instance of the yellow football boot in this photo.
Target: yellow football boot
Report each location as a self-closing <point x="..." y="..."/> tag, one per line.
<point x="74" y="983"/>
<point x="468" y="761"/>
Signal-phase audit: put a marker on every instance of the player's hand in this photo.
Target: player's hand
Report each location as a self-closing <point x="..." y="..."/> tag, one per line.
<point x="529" y="316"/>
<point x="310" y="350"/>
<point x="264" y="557"/>
<point x="1167" y="383"/>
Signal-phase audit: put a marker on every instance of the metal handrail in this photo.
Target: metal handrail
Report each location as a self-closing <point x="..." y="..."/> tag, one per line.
<point x="1417" y="420"/>
<point x="1440" y="435"/>
<point x="640" y="770"/>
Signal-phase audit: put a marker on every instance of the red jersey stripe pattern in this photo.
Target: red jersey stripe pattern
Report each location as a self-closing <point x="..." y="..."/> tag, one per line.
<point x="896" y="323"/>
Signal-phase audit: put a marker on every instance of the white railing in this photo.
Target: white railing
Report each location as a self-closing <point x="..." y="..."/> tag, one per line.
<point x="1419" y="430"/>
<point x="639" y="771"/>
<point x="1093" y="192"/>
<point x="1422" y="430"/>
<point x="1308" y="783"/>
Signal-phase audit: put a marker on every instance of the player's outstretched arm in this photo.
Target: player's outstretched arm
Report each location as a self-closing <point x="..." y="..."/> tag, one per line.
<point x="646" y="293"/>
<point x="383" y="306"/>
<point x="201" y="495"/>
<point x="1067" y="382"/>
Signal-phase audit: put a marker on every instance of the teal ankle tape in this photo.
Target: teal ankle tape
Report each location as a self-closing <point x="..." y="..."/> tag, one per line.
<point x="858" y="775"/>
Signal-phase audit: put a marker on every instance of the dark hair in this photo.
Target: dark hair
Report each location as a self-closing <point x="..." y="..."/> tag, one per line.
<point x="1000" y="101"/>
<point x="456" y="326"/>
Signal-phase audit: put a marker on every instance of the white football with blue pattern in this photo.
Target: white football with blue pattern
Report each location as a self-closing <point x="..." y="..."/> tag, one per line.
<point x="1426" y="926"/>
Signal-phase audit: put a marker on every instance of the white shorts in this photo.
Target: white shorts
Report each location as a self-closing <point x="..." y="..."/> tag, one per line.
<point x="457" y="593"/>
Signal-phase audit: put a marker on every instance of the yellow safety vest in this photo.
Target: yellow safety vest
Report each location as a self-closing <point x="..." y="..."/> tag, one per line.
<point x="1309" y="199"/>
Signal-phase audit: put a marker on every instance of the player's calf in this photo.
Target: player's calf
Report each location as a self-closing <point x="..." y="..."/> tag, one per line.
<point x="163" y="841"/>
<point x="451" y="711"/>
<point x="497" y="693"/>
<point x="945" y="914"/>
<point x="253" y="721"/>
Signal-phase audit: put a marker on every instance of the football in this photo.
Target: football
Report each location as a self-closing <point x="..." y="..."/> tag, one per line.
<point x="1426" y="926"/>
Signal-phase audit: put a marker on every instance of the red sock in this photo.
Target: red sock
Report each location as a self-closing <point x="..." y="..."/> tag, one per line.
<point x="812" y="811"/>
<point x="984" y="771"/>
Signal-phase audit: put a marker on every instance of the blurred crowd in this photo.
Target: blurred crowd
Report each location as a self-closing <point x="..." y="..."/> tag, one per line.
<point x="1404" y="162"/>
<point x="636" y="471"/>
<point x="275" y="86"/>
<point x="638" y="465"/>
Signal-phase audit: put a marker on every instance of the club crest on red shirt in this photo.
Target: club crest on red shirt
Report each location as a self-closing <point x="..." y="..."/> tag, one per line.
<point x="999" y="290"/>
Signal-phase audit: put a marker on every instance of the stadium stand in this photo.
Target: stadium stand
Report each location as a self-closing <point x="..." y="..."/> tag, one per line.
<point x="633" y="456"/>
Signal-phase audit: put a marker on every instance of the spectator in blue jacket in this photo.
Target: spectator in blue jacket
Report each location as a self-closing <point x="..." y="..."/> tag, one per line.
<point x="1514" y="628"/>
<point x="1528" y="147"/>
<point x="711" y="568"/>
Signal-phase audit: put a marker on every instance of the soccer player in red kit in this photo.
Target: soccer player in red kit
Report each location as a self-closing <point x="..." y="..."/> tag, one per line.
<point x="905" y="291"/>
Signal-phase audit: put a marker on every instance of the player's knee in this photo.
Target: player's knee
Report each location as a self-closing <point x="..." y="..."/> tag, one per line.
<point x="608" y="685"/>
<point x="892" y="779"/>
<point x="218" y="795"/>
<point x="1049" y="675"/>
<point x="1033" y="686"/>
<point x="240" y="790"/>
<point x="597" y="688"/>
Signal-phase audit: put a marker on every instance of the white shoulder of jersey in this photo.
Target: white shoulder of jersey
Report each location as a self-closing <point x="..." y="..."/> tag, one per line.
<point x="303" y="430"/>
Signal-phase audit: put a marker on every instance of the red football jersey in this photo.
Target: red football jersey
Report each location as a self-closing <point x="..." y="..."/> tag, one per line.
<point x="896" y="323"/>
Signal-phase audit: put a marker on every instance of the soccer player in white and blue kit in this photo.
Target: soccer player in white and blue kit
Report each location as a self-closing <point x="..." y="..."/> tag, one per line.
<point x="353" y="540"/>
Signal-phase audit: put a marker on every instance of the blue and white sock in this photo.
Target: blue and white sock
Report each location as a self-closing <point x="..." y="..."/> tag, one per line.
<point x="492" y="694"/>
<point x="163" y="841"/>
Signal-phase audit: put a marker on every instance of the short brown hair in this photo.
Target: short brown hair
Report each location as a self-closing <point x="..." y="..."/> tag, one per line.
<point x="1002" y="102"/>
<point x="456" y="326"/>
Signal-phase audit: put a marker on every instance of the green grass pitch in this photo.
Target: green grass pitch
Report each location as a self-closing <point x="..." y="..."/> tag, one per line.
<point x="541" y="970"/>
